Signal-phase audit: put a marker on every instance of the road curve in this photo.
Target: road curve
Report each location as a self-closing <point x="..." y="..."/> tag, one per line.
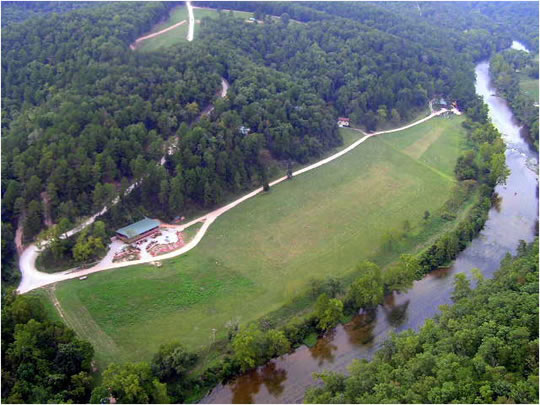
<point x="32" y="278"/>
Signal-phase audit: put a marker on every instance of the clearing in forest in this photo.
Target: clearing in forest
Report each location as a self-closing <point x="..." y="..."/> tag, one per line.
<point x="260" y="255"/>
<point x="179" y="34"/>
<point x="529" y="86"/>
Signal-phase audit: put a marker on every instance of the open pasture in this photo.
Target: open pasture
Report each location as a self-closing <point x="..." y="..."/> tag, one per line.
<point x="179" y="34"/>
<point x="261" y="254"/>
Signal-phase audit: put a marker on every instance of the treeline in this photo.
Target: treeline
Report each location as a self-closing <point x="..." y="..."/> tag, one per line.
<point x="504" y="68"/>
<point x="42" y="360"/>
<point x="482" y="349"/>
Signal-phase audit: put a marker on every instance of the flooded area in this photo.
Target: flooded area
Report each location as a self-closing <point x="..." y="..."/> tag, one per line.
<point x="513" y="218"/>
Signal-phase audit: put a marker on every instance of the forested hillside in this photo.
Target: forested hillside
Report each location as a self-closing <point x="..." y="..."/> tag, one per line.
<point x="482" y="349"/>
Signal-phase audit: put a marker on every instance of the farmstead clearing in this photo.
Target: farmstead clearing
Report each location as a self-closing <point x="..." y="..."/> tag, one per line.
<point x="179" y="33"/>
<point x="260" y="255"/>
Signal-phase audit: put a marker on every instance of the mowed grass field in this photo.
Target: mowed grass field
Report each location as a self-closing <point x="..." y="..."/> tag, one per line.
<point x="179" y="34"/>
<point x="261" y="254"/>
<point x="174" y="36"/>
<point x="529" y="85"/>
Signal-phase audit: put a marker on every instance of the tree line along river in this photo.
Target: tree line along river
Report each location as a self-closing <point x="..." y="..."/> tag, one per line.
<point x="514" y="218"/>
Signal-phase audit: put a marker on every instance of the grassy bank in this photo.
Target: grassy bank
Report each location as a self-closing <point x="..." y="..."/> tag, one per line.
<point x="262" y="254"/>
<point x="528" y="86"/>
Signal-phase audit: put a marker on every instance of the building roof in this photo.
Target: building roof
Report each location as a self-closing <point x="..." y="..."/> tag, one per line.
<point x="138" y="228"/>
<point x="343" y="119"/>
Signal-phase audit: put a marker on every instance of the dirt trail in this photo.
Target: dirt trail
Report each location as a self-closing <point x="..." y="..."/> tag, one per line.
<point x="46" y="209"/>
<point x="222" y="93"/>
<point x="56" y="303"/>
<point x="155" y="34"/>
<point x="19" y="235"/>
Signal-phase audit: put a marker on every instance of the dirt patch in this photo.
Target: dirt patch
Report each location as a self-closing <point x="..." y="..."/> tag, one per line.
<point x="56" y="303"/>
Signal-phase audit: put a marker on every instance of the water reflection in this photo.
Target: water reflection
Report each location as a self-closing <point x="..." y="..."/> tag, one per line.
<point x="244" y="388"/>
<point x="323" y="349"/>
<point x="396" y="315"/>
<point x="360" y="329"/>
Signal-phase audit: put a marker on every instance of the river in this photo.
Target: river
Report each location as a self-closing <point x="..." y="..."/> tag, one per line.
<point x="285" y="379"/>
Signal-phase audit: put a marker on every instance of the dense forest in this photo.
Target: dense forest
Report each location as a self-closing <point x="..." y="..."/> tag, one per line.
<point x="482" y="349"/>
<point x="504" y="68"/>
<point x="17" y="11"/>
<point x="42" y="360"/>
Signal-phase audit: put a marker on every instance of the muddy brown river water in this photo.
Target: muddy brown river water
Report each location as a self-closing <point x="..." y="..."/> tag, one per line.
<point x="284" y="380"/>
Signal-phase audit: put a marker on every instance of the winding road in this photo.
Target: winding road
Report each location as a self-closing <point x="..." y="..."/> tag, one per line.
<point x="33" y="278"/>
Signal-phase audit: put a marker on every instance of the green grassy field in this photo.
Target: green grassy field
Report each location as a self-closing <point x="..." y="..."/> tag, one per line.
<point x="174" y="36"/>
<point x="528" y="86"/>
<point x="179" y="34"/>
<point x="258" y="256"/>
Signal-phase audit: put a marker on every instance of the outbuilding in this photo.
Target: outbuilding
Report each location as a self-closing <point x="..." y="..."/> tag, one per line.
<point x="138" y="230"/>
<point x="343" y="122"/>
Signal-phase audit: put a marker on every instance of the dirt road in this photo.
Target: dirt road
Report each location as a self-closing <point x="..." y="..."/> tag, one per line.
<point x="191" y="21"/>
<point x="32" y="278"/>
<point x="133" y="46"/>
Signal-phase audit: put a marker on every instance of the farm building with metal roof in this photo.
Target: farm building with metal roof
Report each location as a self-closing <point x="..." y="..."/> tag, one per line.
<point x="138" y="230"/>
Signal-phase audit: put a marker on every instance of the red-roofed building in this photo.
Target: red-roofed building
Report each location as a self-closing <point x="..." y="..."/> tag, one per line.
<point x="343" y="122"/>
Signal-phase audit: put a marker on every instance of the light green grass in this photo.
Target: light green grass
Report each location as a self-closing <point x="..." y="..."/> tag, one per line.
<point x="529" y="86"/>
<point x="179" y="34"/>
<point x="262" y="253"/>
<point x="172" y="37"/>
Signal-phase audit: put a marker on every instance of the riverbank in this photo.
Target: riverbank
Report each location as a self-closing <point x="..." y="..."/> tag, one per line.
<point x="283" y="380"/>
<point x="507" y="72"/>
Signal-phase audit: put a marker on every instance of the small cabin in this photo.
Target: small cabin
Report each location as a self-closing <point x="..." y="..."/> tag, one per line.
<point x="343" y="122"/>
